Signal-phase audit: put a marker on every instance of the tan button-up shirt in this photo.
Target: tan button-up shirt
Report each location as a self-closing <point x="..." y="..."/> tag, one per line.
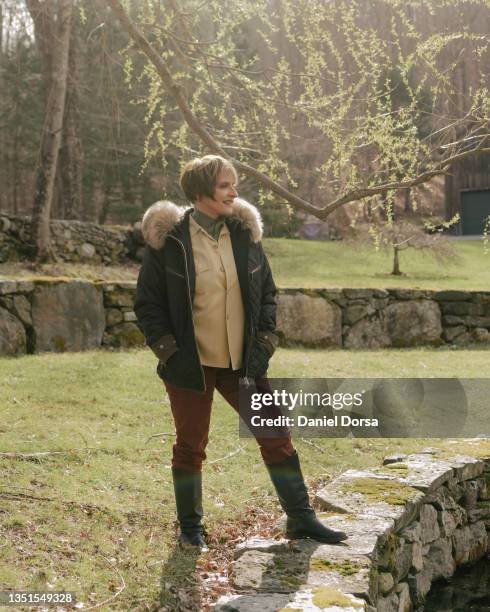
<point x="218" y="313"/>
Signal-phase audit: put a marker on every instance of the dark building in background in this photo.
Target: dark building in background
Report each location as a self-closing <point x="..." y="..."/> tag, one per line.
<point x="467" y="192"/>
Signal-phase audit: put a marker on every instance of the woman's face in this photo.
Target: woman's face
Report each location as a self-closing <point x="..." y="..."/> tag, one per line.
<point x="224" y="194"/>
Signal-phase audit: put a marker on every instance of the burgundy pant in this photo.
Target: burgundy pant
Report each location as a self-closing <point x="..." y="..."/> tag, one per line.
<point x="192" y="413"/>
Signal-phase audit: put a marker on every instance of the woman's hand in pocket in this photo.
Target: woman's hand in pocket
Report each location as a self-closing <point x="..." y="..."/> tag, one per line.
<point x="268" y="340"/>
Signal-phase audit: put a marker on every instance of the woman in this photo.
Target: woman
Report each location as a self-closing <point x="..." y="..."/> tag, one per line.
<point x="206" y="303"/>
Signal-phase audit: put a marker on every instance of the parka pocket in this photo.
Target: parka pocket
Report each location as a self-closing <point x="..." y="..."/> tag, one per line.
<point x="269" y="340"/>
<point x="171" y="365"/>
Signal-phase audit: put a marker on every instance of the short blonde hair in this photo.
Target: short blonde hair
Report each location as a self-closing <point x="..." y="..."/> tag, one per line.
<point x="199" y="176"/>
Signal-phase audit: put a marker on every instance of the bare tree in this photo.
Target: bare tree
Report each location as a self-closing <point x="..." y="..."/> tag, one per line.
<point x="52" y="133"/>
<point x="399" y="236"/>
<point x="71" y="157"/>
<point x="103" y="127"/>
<point x="68" y="185"/>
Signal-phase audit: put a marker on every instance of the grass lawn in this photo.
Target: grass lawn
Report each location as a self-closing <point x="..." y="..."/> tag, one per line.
<point x="304" y="263"/>
<point x="95" y="515"/>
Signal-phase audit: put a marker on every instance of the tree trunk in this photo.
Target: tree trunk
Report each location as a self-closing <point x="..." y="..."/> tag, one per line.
<point x="396" y="262"/>
<point x="52" y="135"/>
<point x="108" y="198"/>
<point x="69" y="187"/>
<point x="43" y="16"/>
<point x="4" y="203"/>
<point x="71" y="157"/>
<point x="15" y="165"/>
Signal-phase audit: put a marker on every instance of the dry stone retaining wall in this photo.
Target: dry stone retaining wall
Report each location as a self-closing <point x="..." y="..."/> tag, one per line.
<point x="73" y="241"/>
<point x="410" y="522"/>
<point x="66" y="314"/>
<point x="381" y="318"/>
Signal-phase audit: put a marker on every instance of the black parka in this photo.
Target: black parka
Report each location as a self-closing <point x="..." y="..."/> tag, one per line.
<point x="166" y="285"/>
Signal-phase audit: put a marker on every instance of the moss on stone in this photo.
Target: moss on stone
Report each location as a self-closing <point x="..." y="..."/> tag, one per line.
<point x="290" y="581"/>
<point x="279" y="563"/>
<point x="344" y="567"/>
<point x="314" y="293"/>
<point x="327" y="514"/>
<point x="324" y="597"/>
<point x="284" y="568"/>
<point x="127" y="335"/>
<point x="290" y="610"/>
<point x="400" y="468"/>
<point x="285" y="561"/>
<point x="341" y="515"/>
<point x="379" y="490"/>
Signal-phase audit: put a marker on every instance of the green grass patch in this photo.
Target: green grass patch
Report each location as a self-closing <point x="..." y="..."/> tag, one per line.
<point x="304" y="263"/>
<point x="93" y="512"/>
<point x="311" y="264"/>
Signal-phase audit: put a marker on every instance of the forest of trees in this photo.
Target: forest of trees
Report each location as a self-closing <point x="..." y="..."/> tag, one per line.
<point x="102" y="149"/>
<point x="330" y="102"/>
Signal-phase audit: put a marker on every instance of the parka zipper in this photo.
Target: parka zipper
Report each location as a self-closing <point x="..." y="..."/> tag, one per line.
<point x="190" y="305"/>
<point x="246" y="379"/>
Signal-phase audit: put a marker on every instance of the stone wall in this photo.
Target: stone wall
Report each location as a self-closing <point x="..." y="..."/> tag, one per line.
<point x="379" y="318"/>
<point x="72" y="241"/>
<point x="66" y="315"/>
<point x="63" y="314"/>
<point x="410" y="522"/>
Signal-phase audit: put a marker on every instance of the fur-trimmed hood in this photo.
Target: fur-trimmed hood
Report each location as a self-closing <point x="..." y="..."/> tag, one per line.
<point x="163" y="216"/>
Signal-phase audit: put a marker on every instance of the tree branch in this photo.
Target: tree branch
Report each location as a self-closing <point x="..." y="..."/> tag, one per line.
<point x="176" y="91"/>
<point x="359" y="194"/>
<point x="208" y="139"/>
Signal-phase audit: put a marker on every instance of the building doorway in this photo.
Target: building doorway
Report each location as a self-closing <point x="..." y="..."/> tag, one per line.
<point x="475" y="209"/>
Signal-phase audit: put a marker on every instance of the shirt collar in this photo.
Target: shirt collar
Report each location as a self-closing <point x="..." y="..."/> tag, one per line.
<point x="201" y="221"/>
